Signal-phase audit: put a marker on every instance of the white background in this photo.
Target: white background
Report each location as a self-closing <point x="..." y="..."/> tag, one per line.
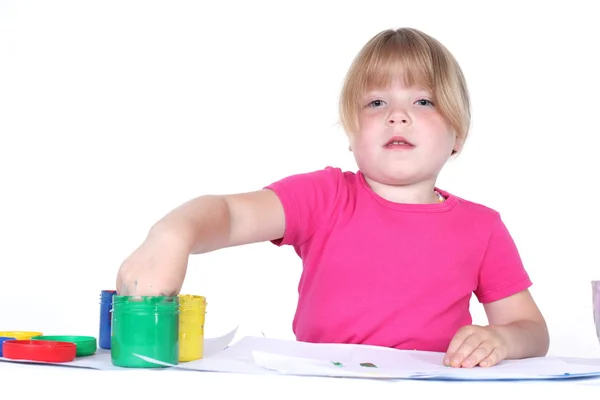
<point x="114" y="112"/>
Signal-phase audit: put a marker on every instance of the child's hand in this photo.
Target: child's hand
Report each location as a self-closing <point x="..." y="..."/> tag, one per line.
<point x="156" y="268"/>
<point x="475" y="345"/>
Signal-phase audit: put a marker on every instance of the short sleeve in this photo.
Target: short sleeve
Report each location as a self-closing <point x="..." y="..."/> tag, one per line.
<point x="306" y="199"/>
<point x="501" y="273"/>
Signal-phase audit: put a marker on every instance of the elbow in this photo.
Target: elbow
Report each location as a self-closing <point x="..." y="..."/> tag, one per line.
<point x="544" y="339"/>
<point x="538" y="337"/>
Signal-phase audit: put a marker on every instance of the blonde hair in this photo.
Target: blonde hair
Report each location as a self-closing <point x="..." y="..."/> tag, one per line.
<point x="418" y="59"/>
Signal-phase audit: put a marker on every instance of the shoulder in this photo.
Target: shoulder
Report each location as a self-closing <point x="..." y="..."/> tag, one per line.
<point x="478" y="218"/>
<point x="487" y="224"/>
<point x="473" y="208"/>
<point x="328" y="172"/>
<point x="309" y="199"/>
<point x="326" y="179"/>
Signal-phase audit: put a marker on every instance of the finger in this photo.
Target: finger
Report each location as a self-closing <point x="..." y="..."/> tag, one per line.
<point x="459" y="338"/>
<point x="118" y="285"/>
<point x="466" y="348"/>
<point x="123" y="290"/>
<point x="478" y="355"/>
<point x="493" y="358"/>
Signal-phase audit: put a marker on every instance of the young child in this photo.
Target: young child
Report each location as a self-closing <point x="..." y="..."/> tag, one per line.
<point x="388" y="258"/>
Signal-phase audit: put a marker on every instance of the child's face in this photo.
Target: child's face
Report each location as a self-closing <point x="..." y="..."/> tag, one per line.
<point x="401" y="112"/>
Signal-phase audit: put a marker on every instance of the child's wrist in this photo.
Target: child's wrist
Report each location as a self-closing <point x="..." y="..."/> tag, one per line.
<point x="519" y="337"/>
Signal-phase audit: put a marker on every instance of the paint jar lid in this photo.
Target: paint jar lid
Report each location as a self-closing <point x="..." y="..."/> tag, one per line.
<point x="86" y="345"/>
<point x="20" y="335"/>
<point x="4" y="339"/>
<point x="39" y="350"/>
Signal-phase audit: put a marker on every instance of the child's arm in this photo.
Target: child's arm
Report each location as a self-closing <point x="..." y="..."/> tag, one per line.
<point x="201" y="225"/>
<point x="516" y="330"/>
<point x="212" y="222"/>
<point x="518" y="320"/>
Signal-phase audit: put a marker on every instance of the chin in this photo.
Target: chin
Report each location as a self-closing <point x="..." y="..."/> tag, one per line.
<point x="400" y="179"/>
<point x="401" y="175"/>
<point x="398" y="174"/>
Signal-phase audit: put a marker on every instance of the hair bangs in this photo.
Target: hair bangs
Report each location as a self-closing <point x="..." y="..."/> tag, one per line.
<point x="395" y="59"/>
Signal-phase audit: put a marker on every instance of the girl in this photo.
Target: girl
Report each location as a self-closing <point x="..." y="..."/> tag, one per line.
<point x="406" y="254"/>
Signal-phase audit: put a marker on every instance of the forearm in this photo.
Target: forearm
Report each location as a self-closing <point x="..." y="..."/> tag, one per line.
<point x="524" y="339"/>
<point x="200" y="225"/>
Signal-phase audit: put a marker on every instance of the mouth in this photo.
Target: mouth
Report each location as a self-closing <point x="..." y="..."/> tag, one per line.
<point x="399" y="142"/>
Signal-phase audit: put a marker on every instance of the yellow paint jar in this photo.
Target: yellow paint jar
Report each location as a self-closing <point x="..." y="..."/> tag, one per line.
<point x="192" y="310"/>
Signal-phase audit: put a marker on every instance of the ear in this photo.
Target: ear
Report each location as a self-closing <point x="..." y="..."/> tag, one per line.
<point x="458" y="145"/>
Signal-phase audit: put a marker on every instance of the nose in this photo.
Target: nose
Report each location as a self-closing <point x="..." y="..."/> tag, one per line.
<point x="398" y="117"/>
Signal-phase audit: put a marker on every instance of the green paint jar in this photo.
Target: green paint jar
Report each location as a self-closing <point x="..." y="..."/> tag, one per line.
<point x="148" y="326"/>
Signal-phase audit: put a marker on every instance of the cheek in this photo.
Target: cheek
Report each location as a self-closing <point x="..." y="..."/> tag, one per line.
<point x="363" y="138"/>
<point x="369" y="121"/>
<point x="364" y="143"/>
<point x="440" y="133"/>
<point x="363" y="151"/>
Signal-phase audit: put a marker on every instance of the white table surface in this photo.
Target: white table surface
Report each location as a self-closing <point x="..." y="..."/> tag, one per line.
<point x="69" y="382"/>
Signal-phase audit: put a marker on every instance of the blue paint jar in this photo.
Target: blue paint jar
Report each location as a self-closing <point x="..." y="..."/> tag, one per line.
<point x="106" y="302"/>
<point x="2" y="340"/>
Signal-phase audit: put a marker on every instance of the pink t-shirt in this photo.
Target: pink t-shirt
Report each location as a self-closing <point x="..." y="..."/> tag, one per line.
<point x="396" y="275"/>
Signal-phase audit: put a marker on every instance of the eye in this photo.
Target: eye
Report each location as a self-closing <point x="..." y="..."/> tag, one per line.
<point x="424" y="102"/>
<point x="376" y="103"/>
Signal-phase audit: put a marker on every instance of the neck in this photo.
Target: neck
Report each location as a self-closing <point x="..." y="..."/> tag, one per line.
<point x="415" y="193"/>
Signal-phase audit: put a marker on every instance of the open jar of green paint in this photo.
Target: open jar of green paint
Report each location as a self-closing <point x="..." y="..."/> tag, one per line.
<point x="146" y="326"/>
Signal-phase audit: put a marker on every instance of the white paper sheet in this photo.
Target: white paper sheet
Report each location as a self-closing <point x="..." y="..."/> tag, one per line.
<point x="236" y="358"/>
<point x="102" y="360"/>
<point x="318" y="360"/>
<point x="259" y="355"/>
<point x="216" y="345"/>
<point x="543" y="368"/>
<point x="266" y="355"/>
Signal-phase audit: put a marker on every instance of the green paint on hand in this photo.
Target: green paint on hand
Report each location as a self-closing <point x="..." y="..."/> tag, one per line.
<point x="337" y="364"/>
<point x="368" y="364"/>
